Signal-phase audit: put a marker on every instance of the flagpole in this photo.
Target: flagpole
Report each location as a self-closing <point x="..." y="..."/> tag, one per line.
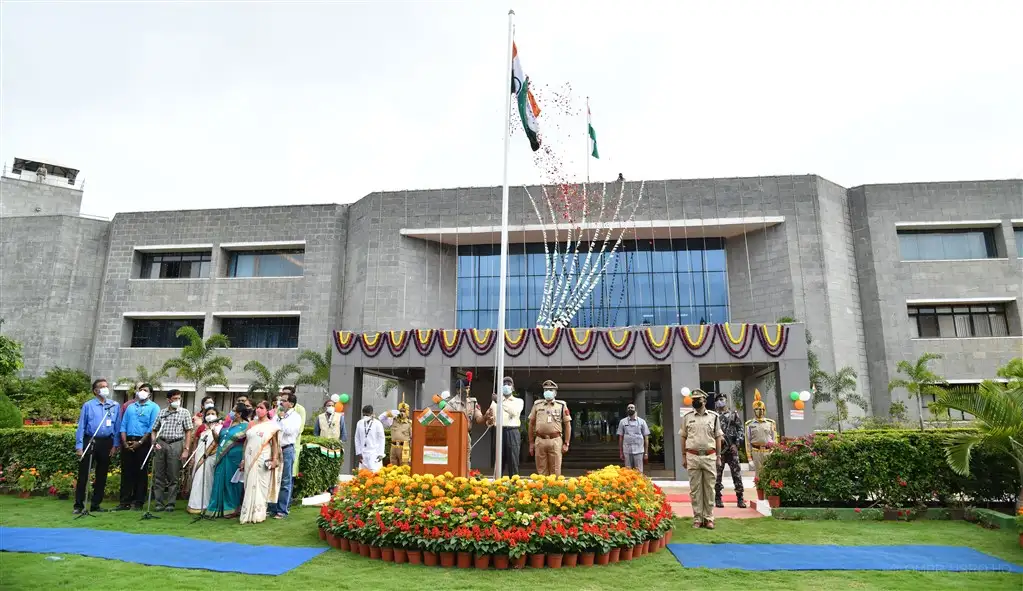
<point x="588" y="124"/>
<point x="503" y="281"/>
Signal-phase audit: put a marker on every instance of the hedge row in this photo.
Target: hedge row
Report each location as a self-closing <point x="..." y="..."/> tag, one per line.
<point x="52" y="450"/>
<point x="887" y="468"/>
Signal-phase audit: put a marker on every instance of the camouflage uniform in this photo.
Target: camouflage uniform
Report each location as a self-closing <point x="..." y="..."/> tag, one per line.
<point x="731" y="425"/>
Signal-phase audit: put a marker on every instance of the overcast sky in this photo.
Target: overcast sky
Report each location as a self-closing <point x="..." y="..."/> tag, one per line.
<point x="171" y="106"/>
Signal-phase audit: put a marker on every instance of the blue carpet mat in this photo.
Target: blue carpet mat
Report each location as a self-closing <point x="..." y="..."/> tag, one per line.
<point x="760" y="557"/>
<point x="154" y="550"/>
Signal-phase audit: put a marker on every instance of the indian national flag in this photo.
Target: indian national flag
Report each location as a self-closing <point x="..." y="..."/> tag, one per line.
<point x="528" y="109"/>
<point x="445" y="418"/>
<point x="427" y="417"/>
<point x="593" y="134"/>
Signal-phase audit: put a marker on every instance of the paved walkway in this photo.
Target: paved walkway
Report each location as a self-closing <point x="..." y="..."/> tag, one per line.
<point x="682" y="506"/>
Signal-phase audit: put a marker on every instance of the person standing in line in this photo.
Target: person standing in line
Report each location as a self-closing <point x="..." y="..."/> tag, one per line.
<point x="369" y="441"/>
<point x="400" y="424"/>
<point x="174" y="426"/>
<point x="550" y="431"/>
<point x="701" y="440"/>
<point x="226" y="493"/>
<point x="98" y="422"/>
<point x="298" y="441"/>
<point x="261" y="466"/>
<point x="511" y="421"/>
<point x="330" y="423"/>
<point x="732" y="427"/>
<point x="633" y="440"/>
<point x="208" y="404"/>
<point x="761" y="434"/>
<point x="206" y="437"/>
<point x="136" y="436"/>
<point x="291" y="424"/>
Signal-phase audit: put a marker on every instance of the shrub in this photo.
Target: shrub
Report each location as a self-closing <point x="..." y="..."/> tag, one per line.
<point x="888" y="468"/>
<point x="47" y="450"/>
<point x="10" y="416"/>
<point x="319" y="465"/>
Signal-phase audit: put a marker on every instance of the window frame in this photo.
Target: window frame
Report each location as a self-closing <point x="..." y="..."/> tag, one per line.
<point x="237" y="343"/>
<point x="232" y="262"/>
<point x="198" y="323"/>
<point x="989" y="235"/>
<point x="148" y="261"/>
<point x="972" y="312"/>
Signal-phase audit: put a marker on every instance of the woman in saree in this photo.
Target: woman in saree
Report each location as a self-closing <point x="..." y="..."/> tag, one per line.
<point x="206" y="450"/>
<point x="226" y="494"/>
<point x="263" y="463"/>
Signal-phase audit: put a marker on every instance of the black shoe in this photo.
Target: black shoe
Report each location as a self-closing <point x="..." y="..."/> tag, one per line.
<point x="741" y="504"/>
<point x="169" y="509"/>
<point x="158" y="509"/>
<point x="122" y="508"/>
<point x="98" y="510"/>
<point x="719" y="504"/>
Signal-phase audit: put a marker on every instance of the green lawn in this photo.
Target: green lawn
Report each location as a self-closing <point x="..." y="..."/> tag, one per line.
<point x="336" y="570"/>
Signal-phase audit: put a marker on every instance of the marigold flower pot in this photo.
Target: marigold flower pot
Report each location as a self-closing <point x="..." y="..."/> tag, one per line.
<point x="570" y="560"/>
<point x="586" y="558"/>
<point x="464" y="560"/>
<point x="519" y="561"/>
<point x="447" y="559"/>
<point x="482" y="561"/>
<point x="365" y="549"/>
<point x="774" y="501"/>
<point x="430" y="558"/>
<point x="400" y="556"/>
<point x="323" y="535"/>
<point x="387" y="554"/>
<point x="625" y="554"/>
<point x="603" y="558"/>
<point x="414" y="556"/>
<point x="614" y="555"/>
<point x="537" y="560"/>
<point x="344" y="544"/>
<point x="555" y="560"/>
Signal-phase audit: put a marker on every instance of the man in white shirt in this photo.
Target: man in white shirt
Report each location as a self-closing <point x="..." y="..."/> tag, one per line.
<point x="291" y="428"/>
<point x="511" y="407"/>
<point x="369" y="441"/>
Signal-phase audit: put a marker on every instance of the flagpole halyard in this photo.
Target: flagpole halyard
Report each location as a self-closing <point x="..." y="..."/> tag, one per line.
<point x="588" y="125"/>
<point x="503" y="280"/>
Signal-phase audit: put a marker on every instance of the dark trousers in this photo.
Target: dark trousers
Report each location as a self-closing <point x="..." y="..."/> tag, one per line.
<point x="134" y="474"/>
<point x="730" y="457"/>
<point x="510" y="450"/>
<point x="100" y="450"/>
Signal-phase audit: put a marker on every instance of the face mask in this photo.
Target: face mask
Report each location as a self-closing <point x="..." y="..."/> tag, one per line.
<point x="104" y="392"/>
<point x="143" y="395"/>
<point x="632" y="412"/>
<point x="697" y="404"/>
<point x="506" y="390"/>
<point x="720" y="405"/>
<point x="208" y="405"/>
<point x="548" y="394"/>
<point x="211" y="418"/>
<point x="175" y="403"/>
<point x="329" y="410"/>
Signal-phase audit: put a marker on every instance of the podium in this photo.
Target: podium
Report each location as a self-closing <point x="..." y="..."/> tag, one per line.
<point x="438" y="447"/>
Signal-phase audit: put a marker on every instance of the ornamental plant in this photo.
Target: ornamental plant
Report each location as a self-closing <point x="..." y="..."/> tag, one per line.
<point x="28" y="479"/>
<point x="61" y="483"/>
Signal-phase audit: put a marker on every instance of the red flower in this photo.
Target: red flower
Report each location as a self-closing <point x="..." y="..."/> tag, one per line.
<point x="858" y="510"/>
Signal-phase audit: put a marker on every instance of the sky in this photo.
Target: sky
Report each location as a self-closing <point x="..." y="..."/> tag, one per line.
<point x="196" y="105"/>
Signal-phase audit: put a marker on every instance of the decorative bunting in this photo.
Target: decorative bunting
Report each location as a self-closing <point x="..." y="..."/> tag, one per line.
<point x="702" y="344"/>
<point x="344" y="341"/>
<point x="584" y="347"/>
<point x="481" y="345"/>
<point x="397" y="342"/>
<point x="738" y="346"/>
<point x="547" y="345"/>
<point x="515" y="341"/>
<point x="450" y="341"/>
<point x="622" y="347"/>
<point x="330" y="453"/>
<point x="659" y="346"/>
<point x="371" y="343"/>
<point x="425" y="339"/>
<point x="776" y="346"/>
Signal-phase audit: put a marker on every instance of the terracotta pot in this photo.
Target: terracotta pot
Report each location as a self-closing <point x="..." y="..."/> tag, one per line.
<point x="602" y="559"/>
<point x="625" y="554"/>
<point x="638" y="551"/>
<point x="646" y="547"/>
<point x="464" y="560"/>
<point x="586" y="559"/>
<point x="570" y="560"/>
<point x="760" y="495"/>
<point x="447" y="559"/>
<point x="614" y="555"/>
<point x="537" y="560"/>
<point x="364" y="550"/>
<point x="323" y="535"/>
<point x="500" y="561"/>
<point x="414" y="556"/>
<point x="400" y="556"/>
<point x="774" y="501"/>
<point x="519" y="561"/>
<point x="482" y="561"/>
<point x="24" y="494"/>
<point x="332" y="540"/>
<point x="387" y="554"/>
<point x="555" y="560"/>
<point x="429" y="558"/>
<point x="354" y="546"/>
<point x="667" y="536"/>
<point x="374" y="552"/>
<point x="344" y="545"/>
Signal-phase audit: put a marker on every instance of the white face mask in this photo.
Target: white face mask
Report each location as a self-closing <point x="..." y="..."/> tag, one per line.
<point x="208" y="405"/>
<point x="507" y="390"/>
<point x="211" y="419"/>
<point x="548" y="394"/>
<point x="175" y="403"/>
<point x="143" y="395"/>
<point x="329" y="410"/>
<point x="104" y="392"/>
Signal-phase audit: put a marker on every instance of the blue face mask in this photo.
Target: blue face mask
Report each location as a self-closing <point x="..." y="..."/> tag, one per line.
<point x="548" y="394"/>
<point x="507" y="390"/>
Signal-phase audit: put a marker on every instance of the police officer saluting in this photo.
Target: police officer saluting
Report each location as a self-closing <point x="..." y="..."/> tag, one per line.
<point x="701" y="440"/>
<point x="550" y="431"/>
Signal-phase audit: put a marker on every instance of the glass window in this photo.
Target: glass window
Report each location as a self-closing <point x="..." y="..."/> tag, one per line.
<point x="273" y="332"/>
<point x="161" y="333"/>
<point x="269" y="263"/>
<point x="175" y="265"/>
<point x="1019" y="242"/>
<point x="988" y="320"/>
<point x="937" y="245"/>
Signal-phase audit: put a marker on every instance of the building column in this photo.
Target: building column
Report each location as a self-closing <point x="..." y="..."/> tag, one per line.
<point x="681" y="375"/>
<point x="794" y="377"/>
<point x="344" y="378"/>
<point x="640" y="401"/>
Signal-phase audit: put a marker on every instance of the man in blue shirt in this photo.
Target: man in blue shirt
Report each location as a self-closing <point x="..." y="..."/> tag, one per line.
<point x="136" y="436"/>
<point x="98" y="422"/>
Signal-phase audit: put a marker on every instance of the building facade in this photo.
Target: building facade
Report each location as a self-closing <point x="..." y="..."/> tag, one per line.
<point x="875" y="274"/>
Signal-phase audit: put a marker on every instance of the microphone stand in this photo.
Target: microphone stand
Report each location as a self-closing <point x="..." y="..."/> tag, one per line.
<point x="85" y="455"/>
<point x="149" y="502"/>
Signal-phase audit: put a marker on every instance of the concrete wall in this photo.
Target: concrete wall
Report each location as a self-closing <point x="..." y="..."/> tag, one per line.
<point x="22" y="198"/>
<point x="51" y="275"/>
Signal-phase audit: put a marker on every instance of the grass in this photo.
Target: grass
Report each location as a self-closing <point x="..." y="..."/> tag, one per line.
<point x="336" y="570"/>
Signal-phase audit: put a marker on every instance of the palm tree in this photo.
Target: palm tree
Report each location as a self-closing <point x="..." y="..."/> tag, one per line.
<point x="920" y="381"/>
<point x="144" y="376"/>
<point x="199" y="361"/>
<point x="998" y="414"/>
<point x="840" y="388"/>
<point x="319" y="376"/>
<point x="268" y="381"/>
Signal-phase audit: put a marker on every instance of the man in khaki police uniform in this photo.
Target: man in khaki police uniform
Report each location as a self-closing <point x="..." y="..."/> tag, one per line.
<point x="463" y="402"/>
<point x="760" y="432"/>
<point x="401" y="434"/>
<point x="550" y="431"/>
<point x="701" y="440"/>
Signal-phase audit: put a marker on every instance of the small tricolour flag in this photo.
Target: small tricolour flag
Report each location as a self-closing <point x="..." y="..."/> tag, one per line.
<point x="529" y="111"/>
<point x="591" y="132"/>
<point x="445" y="418"/>
<point x="427" y="417"/>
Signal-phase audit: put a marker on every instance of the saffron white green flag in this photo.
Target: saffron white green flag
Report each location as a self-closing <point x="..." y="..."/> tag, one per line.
<point x="529" y="111"/>
<point x="593" y="134"/>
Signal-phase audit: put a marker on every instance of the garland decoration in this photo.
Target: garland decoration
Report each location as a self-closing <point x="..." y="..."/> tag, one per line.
<point x="344" y="341"/>
<point x="515" y="341"/>
<point x="620" y="348"/>
<point x="547" y="345"/>
<point x="774" y="347"/>
<point x="702" y="344"/>
<point x="425" y="339"/>
<point x="659" y="349"/>
<point x="478" y="345"/>
<point x="397" y="342"/>
<point x="584" y="347"/>
<point x="737" y="346"/>
<point x="450" y="341"/>
<point x="371" y="343"/>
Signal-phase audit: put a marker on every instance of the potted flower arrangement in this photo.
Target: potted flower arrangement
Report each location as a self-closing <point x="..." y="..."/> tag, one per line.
<point x="27" y="481"/>
<point x="774" y="488"/>
<point x="760" y="489"/>
<point x="61" y="484"/>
